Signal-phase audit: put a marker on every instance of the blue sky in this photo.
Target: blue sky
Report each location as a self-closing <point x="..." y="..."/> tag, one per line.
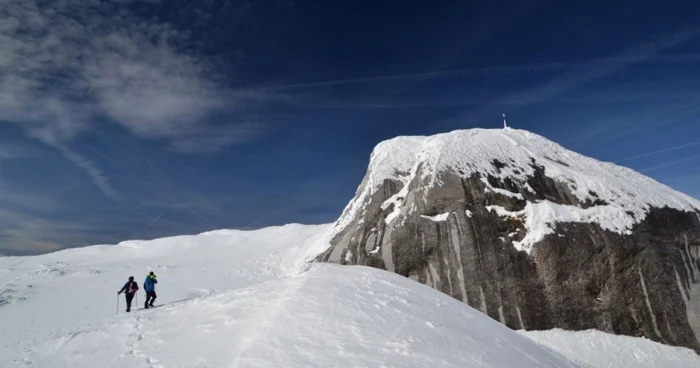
<point x="138" y="119"/>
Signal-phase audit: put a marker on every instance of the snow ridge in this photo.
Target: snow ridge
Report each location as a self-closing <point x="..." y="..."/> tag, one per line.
<point x="510" y="153"/>
<point x="235" y="299"/>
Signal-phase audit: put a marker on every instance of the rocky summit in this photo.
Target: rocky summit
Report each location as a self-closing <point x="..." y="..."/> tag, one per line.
<point x="530" y="233"/>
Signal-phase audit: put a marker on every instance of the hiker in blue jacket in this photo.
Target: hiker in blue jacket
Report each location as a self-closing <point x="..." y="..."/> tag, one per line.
<point x="129" y="289"/>
<point x="150" y="286"/>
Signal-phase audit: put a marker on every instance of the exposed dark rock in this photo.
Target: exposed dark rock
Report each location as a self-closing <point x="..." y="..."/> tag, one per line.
<point x="645" y="282"/>
<point x="498" y="165"/>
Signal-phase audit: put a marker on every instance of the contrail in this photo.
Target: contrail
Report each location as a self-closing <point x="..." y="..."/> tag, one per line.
<point x="505" y="69"/>
<point x="670" y="164"/>
<point x="502" y="69"/>
<point x="659" y="151"/>
<point x="155" y="220"/>
<point x="133" y="235"/>
<point x="477" y="101"/>
<point x="606" y="66"/>
<point x="98" y="177"/>
<point x="587" y="73"/>
<point x="140" y="180"/>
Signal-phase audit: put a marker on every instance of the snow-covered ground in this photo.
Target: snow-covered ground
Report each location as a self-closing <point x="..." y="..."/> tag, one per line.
<point x="67" y="289"/>
<point x="602" y="350"/>
<point x="241" y="299"/>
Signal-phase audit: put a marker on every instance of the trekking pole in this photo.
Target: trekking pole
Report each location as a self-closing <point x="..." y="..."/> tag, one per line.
<point x="117" y="303"/>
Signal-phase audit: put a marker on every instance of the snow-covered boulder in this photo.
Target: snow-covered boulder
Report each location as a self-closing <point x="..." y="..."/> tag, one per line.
<point x="530" y="233"/>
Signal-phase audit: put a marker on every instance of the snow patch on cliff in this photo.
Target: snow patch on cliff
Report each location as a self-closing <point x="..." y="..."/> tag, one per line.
<point x="491" y="188"/>
<point x="540" y="219"/>
<point x="437" y="218"/>
<point x="515" y="155"/>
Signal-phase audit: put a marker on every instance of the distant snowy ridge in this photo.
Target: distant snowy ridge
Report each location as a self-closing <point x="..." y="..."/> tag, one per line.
<point x="620" y="196"/>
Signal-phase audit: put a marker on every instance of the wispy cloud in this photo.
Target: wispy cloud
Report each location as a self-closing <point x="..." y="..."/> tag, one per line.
<point x="337" y="103"/>
<point x="12" y="151"/>
<point x="20" y="196"/>
<point x="67" y="64"/>
<point x="98" y="177"/>
<point x="465" y="72"/>
<point x="213" y="138"/>
<point x="586" y="73"/>
<point x="639" y="122"/>
<point x="573" y="66"/>
<point x="606" y="66"/>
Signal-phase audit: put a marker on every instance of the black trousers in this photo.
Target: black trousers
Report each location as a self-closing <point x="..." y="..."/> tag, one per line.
<point x="129" y="298"/>
<point x="150" y="298"/>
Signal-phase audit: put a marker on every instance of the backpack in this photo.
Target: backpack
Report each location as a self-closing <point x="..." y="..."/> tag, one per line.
<point x="133" y="287"/>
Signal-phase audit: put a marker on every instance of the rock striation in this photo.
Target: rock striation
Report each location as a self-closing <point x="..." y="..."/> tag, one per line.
<point x="530" y="233"/>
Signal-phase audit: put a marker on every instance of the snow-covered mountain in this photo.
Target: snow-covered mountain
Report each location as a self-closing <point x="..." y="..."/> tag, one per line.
<point x="248" y="299"/>
<point x="532" y="234"/>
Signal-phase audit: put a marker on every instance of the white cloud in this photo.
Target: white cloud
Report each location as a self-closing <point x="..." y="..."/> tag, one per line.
<point x="67" y="64"/>
<point x="64" y="64"/>
<point x="149" y="88"/>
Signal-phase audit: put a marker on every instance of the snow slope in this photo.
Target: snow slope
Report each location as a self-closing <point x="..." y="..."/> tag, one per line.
<point x="238" y="299"/>
<point x="603" y="350"/>
<point x="628" y="195"/>
<point x="327" y="317"/>
<point x="78" y="286"/>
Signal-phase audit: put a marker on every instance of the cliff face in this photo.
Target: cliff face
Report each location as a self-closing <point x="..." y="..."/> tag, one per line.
<point x="531" y="234"/>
